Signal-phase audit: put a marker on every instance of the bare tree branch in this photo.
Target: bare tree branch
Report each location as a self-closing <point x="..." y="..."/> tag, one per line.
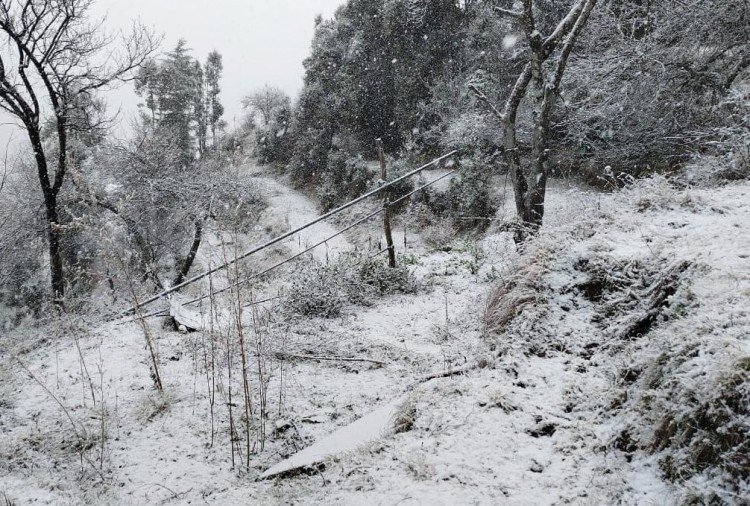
<point x="481" y="96"/>
<point x="70" y="57"/>
<point x="508" y="12"/>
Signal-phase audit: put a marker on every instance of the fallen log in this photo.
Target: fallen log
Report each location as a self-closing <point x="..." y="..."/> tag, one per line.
<point x="379" y="423"/>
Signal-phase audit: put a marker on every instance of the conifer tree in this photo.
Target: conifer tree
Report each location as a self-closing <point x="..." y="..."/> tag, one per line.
<point x="214" y="109"/>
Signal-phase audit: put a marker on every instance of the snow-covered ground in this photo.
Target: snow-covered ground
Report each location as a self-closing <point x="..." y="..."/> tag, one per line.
<point x="295" y="210"/>
<point x="534" y="426"/>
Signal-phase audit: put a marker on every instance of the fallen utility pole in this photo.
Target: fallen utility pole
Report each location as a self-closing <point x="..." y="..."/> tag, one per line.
<point x="283" y="236"/>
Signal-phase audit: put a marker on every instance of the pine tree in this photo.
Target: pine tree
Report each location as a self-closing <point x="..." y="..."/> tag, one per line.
<point x="200" y="108"/>
<point x="172" y="90"/>
<point x="214" y="108"/>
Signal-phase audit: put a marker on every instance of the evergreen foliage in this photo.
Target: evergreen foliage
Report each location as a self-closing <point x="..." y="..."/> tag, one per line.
<point x="182" y="99"/>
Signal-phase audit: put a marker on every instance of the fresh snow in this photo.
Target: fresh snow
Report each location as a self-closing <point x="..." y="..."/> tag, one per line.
<point x="369" y="428"/>
<point x="473" y="436"/>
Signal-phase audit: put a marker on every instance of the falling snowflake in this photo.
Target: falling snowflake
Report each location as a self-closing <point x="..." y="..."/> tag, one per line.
<point x="509" y="41"/>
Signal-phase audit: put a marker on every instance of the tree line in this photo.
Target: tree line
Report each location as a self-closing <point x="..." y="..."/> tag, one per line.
<point x="536" y="88"/>
<point x="113" y="211"/>
<point x="600" y="90"/>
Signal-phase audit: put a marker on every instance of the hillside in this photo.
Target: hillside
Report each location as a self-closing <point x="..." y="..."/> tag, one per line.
<point x="568" y="396"/>
<point x="402" y="251"/>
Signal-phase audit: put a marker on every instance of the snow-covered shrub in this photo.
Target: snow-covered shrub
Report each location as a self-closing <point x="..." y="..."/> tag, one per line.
<point x="324" y="290"/>
<point x="471" y="131"/>
<point x="474" y="255"/>
<point x="732" y="163"/>
<point x="317" y="291"/>
<point x="24" y="284"/>
<point x="274" y="141"/>
<point x="344" y="178"/>
<point x="469" y="195"/>
<point x="24" y="280"/>
<point x="468" y="200"/>
<point x="309" y="158"/>
<point x="439" y="234"/>
<point x="385" y="280"/>
<point x="659" y="192"/>
<point x="419" y="215"/>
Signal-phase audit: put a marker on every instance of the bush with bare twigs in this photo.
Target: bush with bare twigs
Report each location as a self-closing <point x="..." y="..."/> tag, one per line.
<point x="324" y="290"/>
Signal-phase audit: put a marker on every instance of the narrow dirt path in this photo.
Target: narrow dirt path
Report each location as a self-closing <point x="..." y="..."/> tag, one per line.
<point x="294" y="209"/>
<point x="286" y="210"/>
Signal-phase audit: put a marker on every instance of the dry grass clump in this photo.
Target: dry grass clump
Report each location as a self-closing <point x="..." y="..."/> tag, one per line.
<point x="154" y="405"/>
<point x="404" y="419"/>
<point x="659" y="192"/>
<point x="501" y="399"/>
<point x="690" y="407"/>
<point x="510" y="297"/>
<point x="419" y="468"/>
<point x="707" y="429"/>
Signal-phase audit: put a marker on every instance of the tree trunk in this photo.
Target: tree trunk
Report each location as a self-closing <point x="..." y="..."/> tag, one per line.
<point x="54" y="233"/>
<point x="190" y="258"/>
<point x="54" y="237"/>
<point x="530" y="183"/>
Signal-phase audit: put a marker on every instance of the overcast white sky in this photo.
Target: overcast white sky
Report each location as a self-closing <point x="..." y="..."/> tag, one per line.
<point x="262" y="41"/>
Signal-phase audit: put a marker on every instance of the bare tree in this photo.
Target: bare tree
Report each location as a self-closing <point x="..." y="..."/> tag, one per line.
<point x="165" y="212"/>
<point x="656" y="85"/>
<point x="56" y="57"/>
<point x="266" y="101"/>
<point x="540" y="81"/>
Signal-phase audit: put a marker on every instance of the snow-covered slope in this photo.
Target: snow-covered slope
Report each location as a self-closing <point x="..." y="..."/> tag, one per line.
<point x="568" y="410"/>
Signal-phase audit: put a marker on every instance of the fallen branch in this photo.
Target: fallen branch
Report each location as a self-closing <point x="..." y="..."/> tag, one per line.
<point x="284" y="355"/>
<point x="511" y="13"/>
<point x="483" y="98"/>
<point x="454" y="372"/>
